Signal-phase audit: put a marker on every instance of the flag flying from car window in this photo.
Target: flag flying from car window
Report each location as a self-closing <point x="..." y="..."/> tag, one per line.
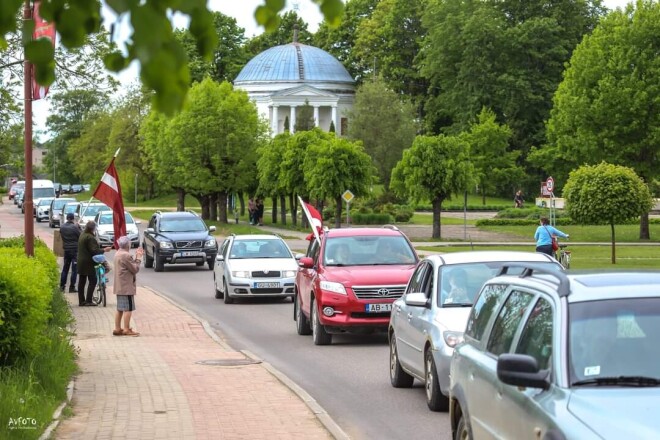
<point x="315" y="219"/>
<point x="109" y="192"/>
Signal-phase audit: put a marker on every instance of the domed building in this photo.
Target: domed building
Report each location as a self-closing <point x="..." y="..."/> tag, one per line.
<point x="283" y="78"/>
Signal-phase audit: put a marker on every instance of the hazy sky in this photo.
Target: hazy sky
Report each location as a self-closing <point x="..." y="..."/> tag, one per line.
<point x="243" y="12"/>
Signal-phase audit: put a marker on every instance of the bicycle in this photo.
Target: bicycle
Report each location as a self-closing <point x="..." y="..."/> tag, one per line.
<point x="99" y="295"/>
<point x="563" y="256"/>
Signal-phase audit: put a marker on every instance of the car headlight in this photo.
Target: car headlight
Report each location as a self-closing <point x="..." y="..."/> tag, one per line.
<point x="209" y="243"/>
<point x="240" y="274"/>
<point x="452" y="339"/>
<point x="289" y="273"/>
<point x="333" y="287"/>
<point x="166" y="245"/>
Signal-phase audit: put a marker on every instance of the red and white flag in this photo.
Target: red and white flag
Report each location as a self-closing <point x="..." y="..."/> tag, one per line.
<point x="42" y="29"/>
<point x="109" y="192"/>
<point x="314" y="218"/>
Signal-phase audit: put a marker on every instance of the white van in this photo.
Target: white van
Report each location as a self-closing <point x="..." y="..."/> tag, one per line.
<point x="41" y="189"/>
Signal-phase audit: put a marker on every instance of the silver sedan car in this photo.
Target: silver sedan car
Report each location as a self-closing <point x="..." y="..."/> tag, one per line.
<point x="428" y="321"/>
<point x="254" y="266"/>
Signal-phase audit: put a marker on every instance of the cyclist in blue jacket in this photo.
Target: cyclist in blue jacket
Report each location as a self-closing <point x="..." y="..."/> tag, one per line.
<point x="543" y="236"/>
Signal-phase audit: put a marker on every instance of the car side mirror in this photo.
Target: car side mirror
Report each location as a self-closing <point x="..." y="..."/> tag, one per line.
<point x="211" y="228"/>
<point x="151" y="230"/>
<point x="306" y="262"/>
<point x="416" y="299"/>
<point x="138" y="222"/>
<point x="521" y="370"/>
<point x="219" y="257"/>
<point x="299" y="256"/>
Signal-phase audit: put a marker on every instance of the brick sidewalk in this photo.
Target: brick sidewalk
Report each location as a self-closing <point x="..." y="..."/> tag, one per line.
<point x="151" y="386"/>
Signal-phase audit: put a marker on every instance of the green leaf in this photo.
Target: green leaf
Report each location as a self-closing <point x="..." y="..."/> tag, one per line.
<point x="275" y="5"/>
<point x="39" y="51"/>
<point x="44" y="74"/>
<point x="333" y="11"/>
<point x="121" y="6"/>
<point x="115" y="61"/>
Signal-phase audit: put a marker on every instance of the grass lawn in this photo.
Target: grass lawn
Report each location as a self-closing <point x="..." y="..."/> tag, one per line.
<point x="427" y="219"/>
<point x="582" y="257"/>
<point x="591" y="233"/>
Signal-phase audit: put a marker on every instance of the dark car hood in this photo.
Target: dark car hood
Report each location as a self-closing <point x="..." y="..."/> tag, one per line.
<point x="179" y="236"/>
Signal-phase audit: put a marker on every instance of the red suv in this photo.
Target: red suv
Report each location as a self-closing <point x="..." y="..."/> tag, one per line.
<point x="349" y="280"/>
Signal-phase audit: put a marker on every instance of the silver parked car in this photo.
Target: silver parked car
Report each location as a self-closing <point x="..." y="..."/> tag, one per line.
<point x="55" y="216"/>
<point x="105" y="230"/>
<point x="42" y="208"/>
<point x="254" y="266"/>
<point x="428" y="320"/>
<point x="87" y="211"/>
<point x="554" y="356"/>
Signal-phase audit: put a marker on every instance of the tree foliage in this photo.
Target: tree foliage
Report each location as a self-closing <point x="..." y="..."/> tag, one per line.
<point x="304" y="118"/>
<point x="434" y="168"/>
<point x="606" y="194"/>
<point x="152" y="42"/>
<point x="385" y="123"/>
<point x="282" y="34"/>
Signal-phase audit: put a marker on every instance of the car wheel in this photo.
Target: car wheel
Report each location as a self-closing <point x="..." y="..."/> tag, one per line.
<point x="225" y="288"/>
<point x="398" y="377"/>
<point x="302" y="323"/>
<point x="435" y="400"/>
<point x="211" y="263"/>
<point x="321" y="337"/>
<point x="50" y="224"/>
<point x="462" y="429"/>
<point x="199" y="264"/>
<point x="148" y="261"/>
<point x="218" y="293"/>
<point x="159" y="263"/>
<point x="38" y="219"/>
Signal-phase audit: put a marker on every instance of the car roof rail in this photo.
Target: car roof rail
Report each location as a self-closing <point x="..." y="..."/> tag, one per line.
<point x="531" y="269"/>
<point x="392" y="227"/>
<point x="192" y="212"/>
<point x="325" y="229"/>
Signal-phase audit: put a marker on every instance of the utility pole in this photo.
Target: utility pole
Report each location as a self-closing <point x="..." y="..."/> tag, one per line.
<point x="27" y="88"/>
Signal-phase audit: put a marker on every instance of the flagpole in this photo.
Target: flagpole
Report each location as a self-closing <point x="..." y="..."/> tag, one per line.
<point x="309" y="219"/>
<point x="27" y="88"/>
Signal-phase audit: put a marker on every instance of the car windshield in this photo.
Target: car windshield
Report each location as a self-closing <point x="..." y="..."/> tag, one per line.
<point x="259" y="248"/>
<point x="182" y="225"/>
<point x="613" y="340"/>
<point x="368" y="250"/>
<point x="43" y="202"/>
<point x="106" y="219"/>
<point x="92" y="210"/>
<point x="59" y="203"/>
<point x="38" y="193"/>
<point x="69" y="208"/>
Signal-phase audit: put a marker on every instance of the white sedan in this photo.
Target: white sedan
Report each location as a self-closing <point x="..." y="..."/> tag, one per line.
<point x="254" y="266"/>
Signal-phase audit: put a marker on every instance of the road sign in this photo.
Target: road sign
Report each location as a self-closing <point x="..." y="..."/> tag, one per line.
<point x="550" y="184"/>
<point x="347" y="196"/>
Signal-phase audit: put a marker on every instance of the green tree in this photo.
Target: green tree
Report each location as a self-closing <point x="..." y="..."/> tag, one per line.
<point x="434" y="168"/>
<point x="269" y="170"/>
<point x="70" y="111"/>
<point x="389" y="41"/>
<point x="606" y="194"/>
<point x="152" y="42"/>
<point x="335" y="165"/>
<point x="505" y="55"/>
<point x="608" y="106"/>
<point x="304" y="118"/>
<point x="340" y="41"/>
<point x="495" y="166"/>
<point x="384" y="123"/>
<point x="229" y="56"/>
<point x="89" y="152"/>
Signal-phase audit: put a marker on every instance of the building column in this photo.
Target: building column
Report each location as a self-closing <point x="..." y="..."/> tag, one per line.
<point x="292" y="120"/>
<point x="334" y="119"/>
<point x="274" y="122"/>
<point x="316" y="116"/>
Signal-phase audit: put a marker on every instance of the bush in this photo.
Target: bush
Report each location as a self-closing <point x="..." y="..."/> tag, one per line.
<point x="529" y="213"/>
<point x="454" y="207"/>
<point x="371" y="219"/>
<point x="519" y="222"/>
<point x="26" y="288"/>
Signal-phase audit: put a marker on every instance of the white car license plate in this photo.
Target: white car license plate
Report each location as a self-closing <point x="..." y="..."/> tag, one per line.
<point x="190" y="254"/>
<point x="266" y="285"/>
<point x="377" y="308"/>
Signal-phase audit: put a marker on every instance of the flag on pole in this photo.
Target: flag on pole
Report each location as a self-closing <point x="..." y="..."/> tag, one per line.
<point x="314" y="218"/>
<point x="42" y="29"/>
<point x="109" y="192"/>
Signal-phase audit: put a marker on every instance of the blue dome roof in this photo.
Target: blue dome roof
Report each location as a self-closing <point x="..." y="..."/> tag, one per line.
<point x="294" y="62"/>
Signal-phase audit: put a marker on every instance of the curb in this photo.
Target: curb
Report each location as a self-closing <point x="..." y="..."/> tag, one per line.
<point x="58" y="412"/>
<point x="321" y="414"/>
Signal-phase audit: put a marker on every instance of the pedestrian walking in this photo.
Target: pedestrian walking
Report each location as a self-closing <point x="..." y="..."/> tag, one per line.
<point x="259" y="215"/>
<point x="543" y="237"/>
<point x="70" y="233"/>
<point x="252" y="210"/>
<point x="87" y="248"/>
<point x="126" y="269"/>
<point x="518" y="200"/>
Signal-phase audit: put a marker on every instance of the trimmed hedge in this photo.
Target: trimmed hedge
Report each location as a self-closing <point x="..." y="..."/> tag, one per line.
<point x="454" y="207"/>
<point x="371" y="219"/>
<point x="26" y="289"/>
<point x="560" y="221"/>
